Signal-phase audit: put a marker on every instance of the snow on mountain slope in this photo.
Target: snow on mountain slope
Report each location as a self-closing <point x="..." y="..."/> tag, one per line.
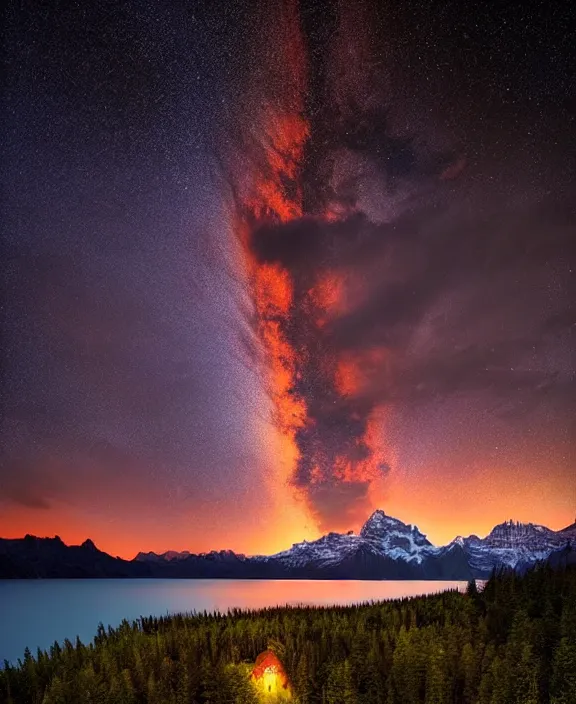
<point x="388" y="548"/>
<point x="385" y="538"/>
<point x="174" y="556"/>
<point x="511" y="544"/>
<point x="328" y="550"/>
<point x="395" y="538"/>
<point x="569" y="531"/>
<point x="384" y="544"/>
<point x="162" y="557"/>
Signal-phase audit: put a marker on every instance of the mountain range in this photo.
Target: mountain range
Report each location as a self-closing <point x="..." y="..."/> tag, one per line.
<point x="385" y="548"/>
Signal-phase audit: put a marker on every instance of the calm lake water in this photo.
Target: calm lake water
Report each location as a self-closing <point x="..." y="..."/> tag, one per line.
<point x="35" y="613"/>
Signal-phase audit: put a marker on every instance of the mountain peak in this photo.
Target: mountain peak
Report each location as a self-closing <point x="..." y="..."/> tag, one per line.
<point x="377" y="518"/>
<point x="510" y="528"/>
<point x="514" y="536"/>
<point x="393" y="533"/>
<point x="89" y="544"/>
<point x="378" y="513"/>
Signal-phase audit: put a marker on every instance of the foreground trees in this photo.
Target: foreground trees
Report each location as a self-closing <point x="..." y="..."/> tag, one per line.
<point x="512" y="643"/>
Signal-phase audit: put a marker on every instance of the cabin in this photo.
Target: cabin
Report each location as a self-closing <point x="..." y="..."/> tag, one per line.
<point x="270" y="677"/>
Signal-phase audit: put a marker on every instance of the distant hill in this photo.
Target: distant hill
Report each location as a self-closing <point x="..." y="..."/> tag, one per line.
<point x="31" y="557"/>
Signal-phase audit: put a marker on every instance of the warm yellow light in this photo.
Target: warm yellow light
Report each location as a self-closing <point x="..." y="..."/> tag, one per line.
<point x="270" y="680"/>
<point x="270" y="684"/>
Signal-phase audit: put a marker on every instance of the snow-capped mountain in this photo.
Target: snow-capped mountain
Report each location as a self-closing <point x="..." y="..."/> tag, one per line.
<point x="515" y="545"/>
<point x="162" y="557"/>
<point x="174" y="556"/>
<point x="396" y="539"/>
<point x="570" y="531"/>
<point x="385" y="548"/>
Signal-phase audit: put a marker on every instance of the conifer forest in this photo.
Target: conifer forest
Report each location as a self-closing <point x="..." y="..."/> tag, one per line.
<point x="512" y="642"/>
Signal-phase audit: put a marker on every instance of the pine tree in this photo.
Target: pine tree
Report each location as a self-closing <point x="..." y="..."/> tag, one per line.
<point x="334" y="684"/>
<point x="436" y="679"/>
<point x="182" y="684"/>
<point x="486" y="687"/>
<point x="88" y="687"/>
<point x="56" y="692"/>
<point x="500" y="681"/>
<point x="472" y="589"/>
<point x="152" y="690"/>
<point x="127" y="693"/>
<point x="349" y="689"/>
<point x="526" y="678"/>
<point x="302" y="680"/>
<point x="563" y="685"/>
<point x="468" y="673"/>
<point x="406" y="674"/>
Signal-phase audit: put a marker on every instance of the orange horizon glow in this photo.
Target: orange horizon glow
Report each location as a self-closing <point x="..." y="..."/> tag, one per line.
<point x="441" y="519"/>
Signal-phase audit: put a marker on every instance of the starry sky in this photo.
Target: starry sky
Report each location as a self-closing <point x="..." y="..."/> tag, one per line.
<point x="266" y="269"/>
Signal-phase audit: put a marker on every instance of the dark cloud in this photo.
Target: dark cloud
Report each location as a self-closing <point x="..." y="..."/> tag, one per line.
<point x="24" y="483"/>
<point x="465" y="278"/>
<point x="337" y="504"/>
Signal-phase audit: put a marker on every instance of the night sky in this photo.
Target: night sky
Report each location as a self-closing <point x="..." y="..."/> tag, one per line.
<point x="267" y="268"/>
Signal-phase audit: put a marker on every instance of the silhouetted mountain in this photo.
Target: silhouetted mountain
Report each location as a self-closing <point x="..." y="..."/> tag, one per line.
<point x="32" y="557"/>
<point x="564" y="557"/>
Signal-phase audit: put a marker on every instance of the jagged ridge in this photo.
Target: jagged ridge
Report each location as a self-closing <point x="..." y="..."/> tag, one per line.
<point x="385" y="548"/>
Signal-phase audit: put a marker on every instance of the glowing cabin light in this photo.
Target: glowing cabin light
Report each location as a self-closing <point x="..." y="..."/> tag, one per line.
<point x="270" y="678"/>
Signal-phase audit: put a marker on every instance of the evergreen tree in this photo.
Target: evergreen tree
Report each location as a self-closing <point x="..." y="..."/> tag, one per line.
<point x="500" y="681"/>
<point x="55" y="694"/>
<point x="436" y="679"/>
<point x="349" y="694"/>
<point x="127" y="693"/>
<point x="526" y="678"/>
<point x="302" y="680"/>
<point x="183" y="684"/>
<point x="334" y="683"/>
<point x="152" y="696"/>
<point x="468" y="674"/>
<point x="563" y="685"/>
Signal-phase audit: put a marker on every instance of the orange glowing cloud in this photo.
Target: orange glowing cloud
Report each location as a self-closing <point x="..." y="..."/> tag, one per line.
<point x="356" y="371"/>
<point x="292" y="319"/>
<point x="328" y="297"/>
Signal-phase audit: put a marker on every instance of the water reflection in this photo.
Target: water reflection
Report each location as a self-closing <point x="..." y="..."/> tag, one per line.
<point x="254" y="594"/>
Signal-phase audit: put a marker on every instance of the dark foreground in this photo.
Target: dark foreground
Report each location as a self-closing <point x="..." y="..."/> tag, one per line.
<point x="514" y="643"/>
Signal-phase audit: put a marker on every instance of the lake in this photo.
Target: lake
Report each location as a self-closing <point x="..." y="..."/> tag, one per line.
<point x="35" y="613"/>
